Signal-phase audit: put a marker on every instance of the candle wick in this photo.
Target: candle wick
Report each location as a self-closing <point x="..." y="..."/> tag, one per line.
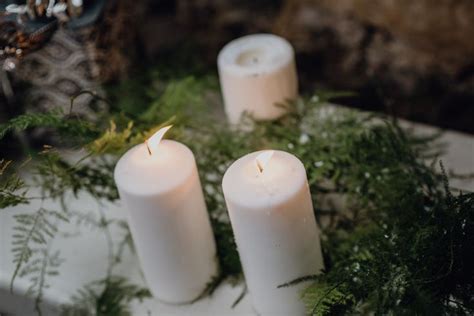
<point x="148" y="147"/>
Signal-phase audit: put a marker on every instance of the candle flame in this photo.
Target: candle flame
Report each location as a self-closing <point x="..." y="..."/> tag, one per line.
<point x="153" y="142"/>
<point x="263" y="158"/>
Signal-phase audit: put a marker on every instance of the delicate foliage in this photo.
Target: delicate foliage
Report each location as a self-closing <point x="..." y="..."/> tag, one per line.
<point x="57" y="176"/>
<point x="39" y="269"/>
<point x="108" y="297"/>
<point x="112" y="142"/>
<point x="32" y="232"/>
<point x="324" y="299"/>
<point x="404" y="250"/>
<point x="175" y="99"/>
<point x="70" y="126"/>
<point x="395" y="239"/>
<point x="12" y="188"/>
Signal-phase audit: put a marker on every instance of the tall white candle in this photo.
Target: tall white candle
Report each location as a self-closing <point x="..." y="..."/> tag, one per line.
<point x="256" y="72"/>
<point x="159" y="184"/>
<point x="271" y="213"/>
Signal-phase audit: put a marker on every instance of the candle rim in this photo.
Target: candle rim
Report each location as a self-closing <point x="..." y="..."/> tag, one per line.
<point x="229" y="53"/>
<point x="125" y="177"/>
<point x="267" y="200"/>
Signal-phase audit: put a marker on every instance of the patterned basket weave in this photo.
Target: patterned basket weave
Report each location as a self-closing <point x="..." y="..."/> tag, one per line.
<point x="57" y="71"/>
<point x="53" y="54"/>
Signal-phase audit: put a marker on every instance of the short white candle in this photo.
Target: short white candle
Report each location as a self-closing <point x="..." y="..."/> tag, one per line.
<point x="159" y="184"/>
<point x="271" y="213"/>
<point x="256" y="72"/>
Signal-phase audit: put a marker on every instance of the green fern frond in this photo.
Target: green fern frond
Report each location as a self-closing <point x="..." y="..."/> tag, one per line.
<point x="322" y="299"/>
<point x="54" y="119"/>
<point x="402" y="245"/>
<point x="112" y="142"/>
<point x="107" y="297"/>
<point x="56" y="176"/>
<point x="39" y="271"/>
<point x="13" y="189"/>
<point x="181" y="98"/>
<point x="32" y="232"/>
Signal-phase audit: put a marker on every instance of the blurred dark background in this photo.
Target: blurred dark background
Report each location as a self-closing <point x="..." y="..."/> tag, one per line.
<point x="414" y="59"/>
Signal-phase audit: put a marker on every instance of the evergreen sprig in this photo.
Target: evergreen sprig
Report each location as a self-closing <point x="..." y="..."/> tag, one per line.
<point x="65" y="125"/>
<point x="395" y="239"/>
<point x="408" y="252"/>
<point x="32" y="233"/>
<point x="107" y="297"/>
<point x="58" y="176"/>
<point x="12" y="188"/>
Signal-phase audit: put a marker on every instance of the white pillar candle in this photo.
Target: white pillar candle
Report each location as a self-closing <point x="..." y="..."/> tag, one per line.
<point x="271" y="213"/>
<point x="159" y="184"/>
<point x="256" y="72"/>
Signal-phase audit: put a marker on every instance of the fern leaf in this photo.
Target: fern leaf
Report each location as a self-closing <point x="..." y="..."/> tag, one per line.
<point x="12" y="188"/>
<point x="54" y="119"/>
<point x="322" y="299"/>
<point x="31" y="233"/>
